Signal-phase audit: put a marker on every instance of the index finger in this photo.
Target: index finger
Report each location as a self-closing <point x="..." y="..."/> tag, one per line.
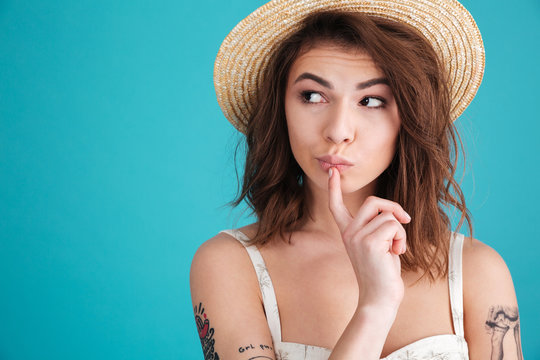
<point x="342" y="216"/>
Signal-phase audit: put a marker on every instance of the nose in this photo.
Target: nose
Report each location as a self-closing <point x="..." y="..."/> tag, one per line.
<point x="339" y="127"/>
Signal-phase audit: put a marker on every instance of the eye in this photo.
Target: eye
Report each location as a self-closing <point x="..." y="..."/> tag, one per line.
<point x="372" y="102"/>
<point x="311" y="97"/>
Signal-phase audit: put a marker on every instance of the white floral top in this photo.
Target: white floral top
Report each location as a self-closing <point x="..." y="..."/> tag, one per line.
<point x="438" y="347"/>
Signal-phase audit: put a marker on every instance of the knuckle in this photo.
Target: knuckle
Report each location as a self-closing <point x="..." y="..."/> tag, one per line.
<point x="348" y="235"/>
<point x="389" y="225"/>
<point x="387" y="216"/>
<point x="371" y="200"/>
<point x="370" y="239"/>
<point x="392" y="225"/>
<point x="371" y="243"/>
<point x="395" y="205"/>
<point x="385" y="219"/>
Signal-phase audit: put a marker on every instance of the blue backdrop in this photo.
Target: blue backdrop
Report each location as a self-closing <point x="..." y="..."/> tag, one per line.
<point x="116" y="161"/>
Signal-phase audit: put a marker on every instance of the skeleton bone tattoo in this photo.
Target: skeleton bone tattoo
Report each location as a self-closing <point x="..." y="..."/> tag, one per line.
<point x="500" y="320"/>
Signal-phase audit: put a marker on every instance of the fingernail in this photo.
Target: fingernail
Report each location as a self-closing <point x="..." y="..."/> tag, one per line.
<point x="403" y="249"/>
<point x="330" y="173"/>
<point x="407" y="215"/>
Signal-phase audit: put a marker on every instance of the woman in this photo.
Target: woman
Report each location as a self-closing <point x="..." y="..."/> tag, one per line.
<point x="347" y="109"/>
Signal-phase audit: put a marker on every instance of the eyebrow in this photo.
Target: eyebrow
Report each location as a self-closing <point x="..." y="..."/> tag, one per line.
<point x="327" y="84"/>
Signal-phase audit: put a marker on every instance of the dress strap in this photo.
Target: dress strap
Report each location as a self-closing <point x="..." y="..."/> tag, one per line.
<point x="265" y="284"/>
<point x="455" y="281"/>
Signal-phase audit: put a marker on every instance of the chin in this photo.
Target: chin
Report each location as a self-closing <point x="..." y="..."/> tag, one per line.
<point x="349" y="187"/>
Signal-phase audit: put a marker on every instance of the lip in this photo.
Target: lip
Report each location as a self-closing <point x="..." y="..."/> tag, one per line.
<point x="329" y="161"/>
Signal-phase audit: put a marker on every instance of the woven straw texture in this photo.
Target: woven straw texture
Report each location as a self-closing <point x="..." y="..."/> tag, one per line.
<point x="245" y="52"/>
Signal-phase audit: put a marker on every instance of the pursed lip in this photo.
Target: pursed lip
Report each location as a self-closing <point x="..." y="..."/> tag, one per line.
<point x="329" y="161"/>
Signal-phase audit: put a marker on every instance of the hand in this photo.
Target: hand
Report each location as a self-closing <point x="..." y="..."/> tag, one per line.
<point x="374" y="239"/>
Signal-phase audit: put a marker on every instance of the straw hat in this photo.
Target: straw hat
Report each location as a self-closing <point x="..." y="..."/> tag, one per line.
<point x="245" y="52"/>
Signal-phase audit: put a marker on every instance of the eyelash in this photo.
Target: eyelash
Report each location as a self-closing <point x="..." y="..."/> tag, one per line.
<point x="305" y="94"/>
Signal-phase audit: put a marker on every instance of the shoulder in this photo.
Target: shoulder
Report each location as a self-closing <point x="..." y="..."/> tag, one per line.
<point x="485" y="270"/>
<point x="489" y="303"/>
<point x="216" y="248"/>
<point x="220" y="261"/>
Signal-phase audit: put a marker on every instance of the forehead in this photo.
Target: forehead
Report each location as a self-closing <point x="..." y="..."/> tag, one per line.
<point x="328" y="58"/>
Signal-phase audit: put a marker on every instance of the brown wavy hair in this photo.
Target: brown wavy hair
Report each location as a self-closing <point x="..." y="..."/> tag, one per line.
<point x="421" y="175"/>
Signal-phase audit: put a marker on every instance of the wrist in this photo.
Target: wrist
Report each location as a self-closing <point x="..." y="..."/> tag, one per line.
<point x="381" y="301"/>
<point x="388" y="308"/>
<point x="377" y="315"/>
<point x="366" y="333"/>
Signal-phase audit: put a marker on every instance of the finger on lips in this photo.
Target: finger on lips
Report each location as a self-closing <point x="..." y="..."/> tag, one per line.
<point x="335" y="197"/>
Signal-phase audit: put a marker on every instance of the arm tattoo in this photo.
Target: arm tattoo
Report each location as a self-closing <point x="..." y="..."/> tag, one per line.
<point x="241" y="349"/>
<point x="500" y="320"/>
<point x="206" y="333"/>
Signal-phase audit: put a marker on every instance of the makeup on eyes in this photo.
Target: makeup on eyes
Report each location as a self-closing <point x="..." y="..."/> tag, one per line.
<point x="308" y="95"/>
<point x="314" y="97"/>
<point x="378" y="98"/>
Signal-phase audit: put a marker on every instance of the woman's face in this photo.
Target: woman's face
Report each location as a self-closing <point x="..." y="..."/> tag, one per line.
<point x="340" y="112"/>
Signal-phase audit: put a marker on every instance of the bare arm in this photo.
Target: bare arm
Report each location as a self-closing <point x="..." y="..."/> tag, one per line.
<point x="490" y="306"/>
<point x="227" y="306"/>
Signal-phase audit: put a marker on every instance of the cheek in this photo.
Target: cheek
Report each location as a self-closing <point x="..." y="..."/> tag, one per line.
<point x="298" y="140"/>
<point x="390" y="131"/>
<point x="381" y="144"/>
<point x="300" y="130"/>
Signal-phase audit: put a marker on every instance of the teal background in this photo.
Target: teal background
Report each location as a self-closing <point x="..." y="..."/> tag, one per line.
<point x="116" y="163"/>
